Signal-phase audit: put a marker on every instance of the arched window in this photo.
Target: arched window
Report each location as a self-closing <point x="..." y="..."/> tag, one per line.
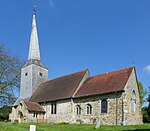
<point x="88" y="109"/>
<point x="78" y="110"/>
<point x="104" y="106"/>
<point x="133" y="101"/>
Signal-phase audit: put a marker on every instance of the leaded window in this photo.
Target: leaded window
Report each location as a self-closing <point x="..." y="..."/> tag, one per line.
<point x="104" y="106"/>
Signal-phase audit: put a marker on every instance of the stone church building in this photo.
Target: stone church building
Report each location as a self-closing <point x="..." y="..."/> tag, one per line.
<point x="113" y="97"/>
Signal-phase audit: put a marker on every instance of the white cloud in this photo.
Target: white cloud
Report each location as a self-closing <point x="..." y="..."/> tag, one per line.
<point x="147" y="68"/>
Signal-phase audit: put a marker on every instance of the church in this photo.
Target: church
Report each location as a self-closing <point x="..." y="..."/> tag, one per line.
<point x="112" y="98"/>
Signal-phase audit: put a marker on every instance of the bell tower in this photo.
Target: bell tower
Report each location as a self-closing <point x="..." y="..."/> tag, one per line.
<point x="33" y="72"/>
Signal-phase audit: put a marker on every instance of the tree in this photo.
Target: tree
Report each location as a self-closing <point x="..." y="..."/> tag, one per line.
<point x="146" y="115"/>
<point x="146" y="110"/>
<point x="10" y="67"/>
<point x="148" y="99"/>
<point x="143" y="93"/>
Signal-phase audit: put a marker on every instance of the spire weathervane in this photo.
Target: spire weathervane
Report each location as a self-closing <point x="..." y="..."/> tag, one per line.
<point x="34" y="9"/>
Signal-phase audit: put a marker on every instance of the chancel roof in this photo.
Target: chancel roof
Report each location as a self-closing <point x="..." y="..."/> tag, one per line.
<point x="105" y="83"/>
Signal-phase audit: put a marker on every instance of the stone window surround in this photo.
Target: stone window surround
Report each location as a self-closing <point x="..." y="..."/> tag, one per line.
<point x="88" y="109"/>
<point x="78" y="110"/>
<point x="105" y="100"/>
<point x="133" y="102"/>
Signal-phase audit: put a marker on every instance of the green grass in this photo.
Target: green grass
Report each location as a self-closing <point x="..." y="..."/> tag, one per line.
<point x="68" y="127"/>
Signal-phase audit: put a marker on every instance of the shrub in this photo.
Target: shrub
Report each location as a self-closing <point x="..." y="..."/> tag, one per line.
<point x="4" y="113"/>
<point x="146" y="115"/>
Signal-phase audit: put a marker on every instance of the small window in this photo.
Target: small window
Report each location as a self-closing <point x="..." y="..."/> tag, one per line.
<point x="78" y="110"/>
<point x="104" y="106"/>
<point x="26" y="74"/>
<point x="35" y="115"/>
<point x="133" y="101"/>
<point x="40" y="74"/>
<point x="88" y="109"/>
<point x="53" y="108"/>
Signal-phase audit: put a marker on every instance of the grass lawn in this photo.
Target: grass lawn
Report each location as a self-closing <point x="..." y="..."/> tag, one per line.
<point x="67" y="127"/>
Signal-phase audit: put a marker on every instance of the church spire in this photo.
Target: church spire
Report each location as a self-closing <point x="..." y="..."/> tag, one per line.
<point x="34" y="52"/>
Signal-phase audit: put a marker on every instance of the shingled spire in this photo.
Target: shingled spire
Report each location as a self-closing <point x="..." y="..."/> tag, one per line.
<point x="34" y="52"/>
<point x="33" y="72"/>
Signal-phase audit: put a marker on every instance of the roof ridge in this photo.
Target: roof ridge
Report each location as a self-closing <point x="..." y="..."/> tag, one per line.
<point x="32" y="102"/>
<point x="112" y="71"/>
<point x="66" y="75"/>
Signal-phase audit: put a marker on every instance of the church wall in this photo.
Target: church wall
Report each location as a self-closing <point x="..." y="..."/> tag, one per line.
<point x="129" y="117"/>
<point x="64" y="112"/>
<point x="95" y="101"/>
<point x="14" y="114"/>
<point x="32" y="118"/>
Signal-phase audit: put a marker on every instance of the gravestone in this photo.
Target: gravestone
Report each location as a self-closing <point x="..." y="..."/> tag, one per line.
<point x="98" y="124"/>
<point x="32" y="127"/>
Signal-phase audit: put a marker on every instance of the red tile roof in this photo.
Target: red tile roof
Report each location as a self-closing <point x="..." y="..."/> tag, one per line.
<point x="105" y="83"/>
<point x="33" y="106"/>
<point x="59" y="88"/>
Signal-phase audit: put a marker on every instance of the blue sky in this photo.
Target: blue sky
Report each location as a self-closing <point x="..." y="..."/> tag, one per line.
<point x="101" y="35"/>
